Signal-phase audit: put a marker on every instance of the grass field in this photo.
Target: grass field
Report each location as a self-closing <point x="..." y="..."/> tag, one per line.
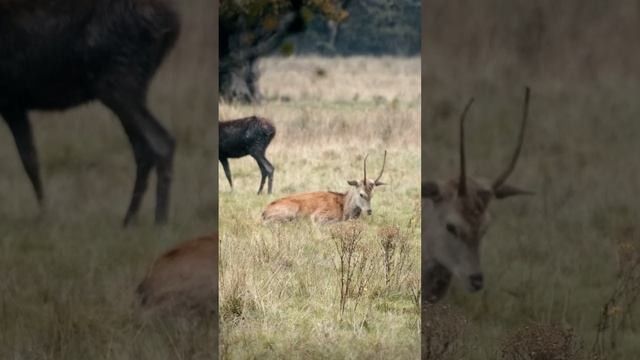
<point x="280" y="289"/>
<point x="69" y="274"/>
<point x="555" y="257"/>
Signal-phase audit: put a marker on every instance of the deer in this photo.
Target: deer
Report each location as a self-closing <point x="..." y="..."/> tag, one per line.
<point x="184" y="278"/>
<point x="325" y="207"/>
<point x="56" y="55"/>
<point x="455" y="218"/>
<point x="247" y="136"/>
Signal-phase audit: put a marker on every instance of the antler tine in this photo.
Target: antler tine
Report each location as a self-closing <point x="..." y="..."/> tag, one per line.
<point x="462" y="183"/>
<point x="365" y="168"/>
<point x="525" y="114"/>
<point x="384" y="161"/>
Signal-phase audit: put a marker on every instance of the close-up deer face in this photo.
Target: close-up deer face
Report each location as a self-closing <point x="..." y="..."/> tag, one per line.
<point x="456" y="216"/>
<point x="457" y="225"/>
<point x="362" y="191"/>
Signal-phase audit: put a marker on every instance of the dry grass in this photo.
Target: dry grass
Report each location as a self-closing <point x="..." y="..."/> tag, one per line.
<point x="445" y="333"/>
<point x="280" y="286"/>
<point x="69" y="275"/>
<point x="550" y="258"/>
<point x="542" y="342"/>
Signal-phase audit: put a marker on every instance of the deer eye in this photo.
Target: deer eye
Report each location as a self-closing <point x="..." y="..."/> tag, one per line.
<point x="452" y="229"/>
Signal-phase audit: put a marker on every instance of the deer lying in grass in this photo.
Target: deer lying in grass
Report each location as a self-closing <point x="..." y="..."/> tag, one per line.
<point x="183" y="278"/>
<point x="55" y="55"/>
<point x="327" y="206"/>
<point x="455" y="218"/>
<point x="247" y="136"/>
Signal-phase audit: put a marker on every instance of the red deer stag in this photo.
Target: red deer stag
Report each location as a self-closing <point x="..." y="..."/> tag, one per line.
<point x="246" y="136"/>
<point x="455" y="218"/>
<point x="55" y="55"/>
<point x="327" y="206"/>
<point x="184" y="278"/>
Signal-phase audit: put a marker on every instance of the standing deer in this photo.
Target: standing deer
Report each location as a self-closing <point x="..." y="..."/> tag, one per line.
<point x="247" y="136"/>
<point x="455" y="218"/>
<point x="327" y="206"/>
<point x="55" y="55"/>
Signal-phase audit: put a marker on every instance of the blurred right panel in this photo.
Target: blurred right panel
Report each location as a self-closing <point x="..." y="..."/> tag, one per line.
<point x="530" y="238"/>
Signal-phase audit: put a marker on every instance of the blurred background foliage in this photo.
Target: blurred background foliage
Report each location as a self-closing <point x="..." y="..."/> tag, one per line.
<point x="251" y="29"/>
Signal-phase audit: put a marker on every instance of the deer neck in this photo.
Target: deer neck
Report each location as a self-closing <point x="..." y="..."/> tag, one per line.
<point x="349" y="208"/>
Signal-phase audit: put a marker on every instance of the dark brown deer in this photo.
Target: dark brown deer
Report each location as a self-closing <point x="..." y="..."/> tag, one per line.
<point x="55" y="55"/>
<point x="455" y="218"/>
<point x="247" y="136"/>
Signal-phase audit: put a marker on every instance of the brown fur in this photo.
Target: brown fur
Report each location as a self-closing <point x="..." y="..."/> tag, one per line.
<point x="327" y="206"/>
<point x="183" y="277"/>
<point x="319" y="206"/>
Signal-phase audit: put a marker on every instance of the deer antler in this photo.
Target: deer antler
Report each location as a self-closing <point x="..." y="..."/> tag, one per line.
<point x="525" y="113"/>
<point x="384" y="161"/>
<point x="462" y="183"/>
<point x="365" y="168"/>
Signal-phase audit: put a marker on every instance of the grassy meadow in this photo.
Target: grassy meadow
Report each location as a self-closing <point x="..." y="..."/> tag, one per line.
<point x="280" y="285"/>
<point x="553" y="260"/>
<point x="69" y="273"/>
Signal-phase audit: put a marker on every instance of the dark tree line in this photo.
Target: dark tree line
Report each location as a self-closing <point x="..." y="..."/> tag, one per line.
<point x="253" y="28"/>
<point x="373" y="27"/>
<point x="250" y="29"/>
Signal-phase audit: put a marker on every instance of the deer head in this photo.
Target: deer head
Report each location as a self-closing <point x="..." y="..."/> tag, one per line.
<point x="456" y="217"/>
<point x="359" y="196"/>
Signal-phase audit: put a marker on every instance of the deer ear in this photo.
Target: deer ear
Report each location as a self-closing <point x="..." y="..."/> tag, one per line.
<point x="352" y="183"/>
<point x="431" y="190"/>
<point x="506" y="190"/>
<point x="380" y="183"/>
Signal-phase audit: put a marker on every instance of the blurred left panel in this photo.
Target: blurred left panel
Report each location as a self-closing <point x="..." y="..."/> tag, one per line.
<point x="108" y="206"/>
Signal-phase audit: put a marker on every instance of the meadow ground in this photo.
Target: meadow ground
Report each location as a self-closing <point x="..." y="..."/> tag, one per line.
<point x="69" y="274"/>
<point x="280" y="287"/>
<point x="556" y="256"/>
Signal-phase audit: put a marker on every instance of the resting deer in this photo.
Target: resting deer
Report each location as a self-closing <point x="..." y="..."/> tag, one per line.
<point x="455" y="218"/>
<point x="327" y="206"/>
<point x="184" y="278"/>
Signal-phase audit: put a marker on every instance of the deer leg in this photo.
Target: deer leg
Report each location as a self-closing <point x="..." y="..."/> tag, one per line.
<point x="266" y="169"/>
<point x="227" y="170"/>
<point x="263" y="171"/>
<point x="144" y="164"/>
<point x="152" y="145"/>
<point x="270" y="170"/>
<point x="23" y="136"/>
<point x="163" y="146"/>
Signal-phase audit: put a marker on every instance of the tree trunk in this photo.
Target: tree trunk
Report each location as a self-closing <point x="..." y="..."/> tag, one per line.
<point x="243" y="41"/>
<point x="239" y="81"/>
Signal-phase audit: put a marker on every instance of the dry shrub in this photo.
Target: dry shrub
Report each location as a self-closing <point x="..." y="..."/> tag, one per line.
<point x="616" y="313"/>
<point x="542" y="341"/>
<point x="396" y="250"/>
<point x="443" y="330"/>
<point x="355" y="265"/>
<point x="414" y="288"/>
<point x="234" y="297"/>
